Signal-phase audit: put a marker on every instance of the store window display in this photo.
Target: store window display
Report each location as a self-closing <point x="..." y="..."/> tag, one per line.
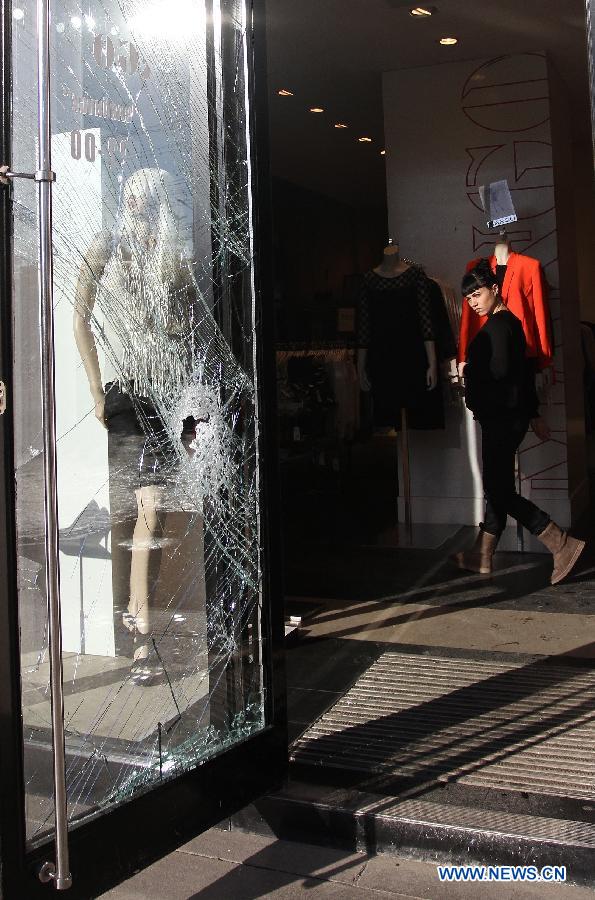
<point x="136" y="297"/>
<point x="500" y="392"/>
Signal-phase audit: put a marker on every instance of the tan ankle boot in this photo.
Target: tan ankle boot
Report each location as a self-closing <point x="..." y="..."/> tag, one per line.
<point x="479" y="557"/>
<point x="564" y="548"/>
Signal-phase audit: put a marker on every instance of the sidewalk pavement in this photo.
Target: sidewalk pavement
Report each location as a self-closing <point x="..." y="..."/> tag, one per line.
<point x="231" y="865"/>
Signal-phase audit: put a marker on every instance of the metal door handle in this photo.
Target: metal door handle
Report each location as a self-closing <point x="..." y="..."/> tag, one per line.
<point x="40" y="175"/>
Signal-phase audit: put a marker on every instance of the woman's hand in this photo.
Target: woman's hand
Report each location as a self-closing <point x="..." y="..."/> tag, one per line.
<point x="540" y="428"/>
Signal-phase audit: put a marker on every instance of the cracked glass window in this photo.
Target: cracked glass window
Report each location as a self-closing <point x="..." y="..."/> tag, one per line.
<point x="155" y="396"/>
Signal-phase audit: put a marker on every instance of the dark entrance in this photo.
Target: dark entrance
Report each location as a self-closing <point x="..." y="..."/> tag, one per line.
<point x="441" y="702"/>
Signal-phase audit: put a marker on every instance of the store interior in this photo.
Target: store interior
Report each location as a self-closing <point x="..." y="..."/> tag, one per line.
<point x="385" y="124"/>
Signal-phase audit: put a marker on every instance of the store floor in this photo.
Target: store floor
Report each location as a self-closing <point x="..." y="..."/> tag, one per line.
<point x="421" y="692"/>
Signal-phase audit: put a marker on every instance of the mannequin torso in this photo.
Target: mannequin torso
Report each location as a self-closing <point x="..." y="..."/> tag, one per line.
<point x="395" y="323"/>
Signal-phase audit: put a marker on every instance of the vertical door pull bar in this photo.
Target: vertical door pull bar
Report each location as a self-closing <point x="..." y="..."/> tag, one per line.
<point x="59" y="872"/>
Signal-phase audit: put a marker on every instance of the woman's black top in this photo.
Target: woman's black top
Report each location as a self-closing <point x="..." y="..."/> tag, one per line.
<point x="499" y="381"/>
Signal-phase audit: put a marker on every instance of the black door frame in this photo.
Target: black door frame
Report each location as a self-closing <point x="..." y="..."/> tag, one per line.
<point x="114" y="845"/>
<point x="590" y="5"/>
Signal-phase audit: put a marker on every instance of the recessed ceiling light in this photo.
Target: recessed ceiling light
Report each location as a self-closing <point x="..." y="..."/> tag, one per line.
<point x="341" y="125"/>
<point x="316" y="109"/>
<point x="449" y="41"/>
<point x="18" y="14"/>
<point x="365" y="140"/>
<point x="422" y="12"/>
<point x="284" y="93"/>
<point x="383" y="152"/>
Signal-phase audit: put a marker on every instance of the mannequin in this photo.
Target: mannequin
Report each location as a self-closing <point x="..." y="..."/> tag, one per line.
<point x="392" y="266"/>
<point x="502" y="249"/>
<point x="397" y="359"/>
<point x="137" y="297"/>
<point x="524" y="292"/>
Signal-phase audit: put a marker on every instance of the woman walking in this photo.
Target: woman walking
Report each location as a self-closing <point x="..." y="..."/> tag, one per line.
<point x="500" y="392"/>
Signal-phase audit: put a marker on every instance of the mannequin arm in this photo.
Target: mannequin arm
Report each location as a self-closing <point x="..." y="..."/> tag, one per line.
<point x="86" y="291"/>
<point x="362" y="357"/>
<point x="432" y="372"/>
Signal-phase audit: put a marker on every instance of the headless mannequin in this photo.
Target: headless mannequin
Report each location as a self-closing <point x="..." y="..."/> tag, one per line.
<point x="148" y="526"/>
<point x="502" y="251"/>
<point x="391" y="266"/>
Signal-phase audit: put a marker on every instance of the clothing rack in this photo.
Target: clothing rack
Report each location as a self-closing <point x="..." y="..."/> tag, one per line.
<point x="337" y="355"/>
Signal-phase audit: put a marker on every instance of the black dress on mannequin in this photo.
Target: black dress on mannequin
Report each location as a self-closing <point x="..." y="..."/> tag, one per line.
<point x="394" y="320"/>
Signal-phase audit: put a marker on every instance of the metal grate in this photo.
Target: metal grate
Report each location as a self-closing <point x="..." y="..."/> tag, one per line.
<point x="510" y="726"/>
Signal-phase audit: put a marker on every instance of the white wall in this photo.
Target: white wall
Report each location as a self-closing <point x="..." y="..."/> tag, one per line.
<point x="449" y="129"/>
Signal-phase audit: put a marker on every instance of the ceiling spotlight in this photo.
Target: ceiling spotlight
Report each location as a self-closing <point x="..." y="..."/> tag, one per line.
<point x="284" y="93"/>
<point x="422" y="12"/>
<point x="316" y="109"/>
<point x="341" y="125"/>
<point x="18" y="14"/>
<point x="383" y="152"/>
<point x="365" y="140"/>
<point x="449" y="41"/>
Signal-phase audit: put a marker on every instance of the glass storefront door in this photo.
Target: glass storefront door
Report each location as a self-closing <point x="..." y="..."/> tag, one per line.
<point x="164" y="626"/>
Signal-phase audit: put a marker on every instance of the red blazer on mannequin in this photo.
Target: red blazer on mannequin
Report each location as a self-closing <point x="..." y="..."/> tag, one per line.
<point x="525" y="293"/>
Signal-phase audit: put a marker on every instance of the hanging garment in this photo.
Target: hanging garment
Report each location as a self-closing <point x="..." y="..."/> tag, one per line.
<point x="524" y="291"/>
<point x="452" y="305"/>
<point x="446" y="347"/>
<point x="342" y="376"/>
<point x="394" y="320"/>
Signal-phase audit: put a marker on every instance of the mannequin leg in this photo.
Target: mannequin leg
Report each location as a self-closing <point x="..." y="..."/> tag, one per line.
<point x="144" y="556"/>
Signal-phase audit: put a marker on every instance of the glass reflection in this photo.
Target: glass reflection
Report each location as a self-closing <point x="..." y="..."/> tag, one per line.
<point x="156" y="408"/>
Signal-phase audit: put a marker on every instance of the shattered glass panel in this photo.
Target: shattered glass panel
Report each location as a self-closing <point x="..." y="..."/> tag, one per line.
<point x="155" y="392"/>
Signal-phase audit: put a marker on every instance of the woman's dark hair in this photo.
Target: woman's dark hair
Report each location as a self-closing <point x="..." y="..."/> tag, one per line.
<point x="479" y="276"/>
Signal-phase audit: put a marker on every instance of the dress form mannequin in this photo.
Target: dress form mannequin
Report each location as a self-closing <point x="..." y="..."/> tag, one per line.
<point x="123" y="264"/>
<point x="397" y="347"/>
<point x="502" y="249"/>
<point x="392" y="266"/>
